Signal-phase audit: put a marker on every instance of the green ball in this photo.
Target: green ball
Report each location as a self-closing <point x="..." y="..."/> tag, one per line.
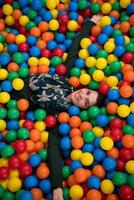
<point x="115" y="66"/>
<point x="82" y="4"/>
<point x="30" y="25"/>
<point x="2" y="39"/>
<point x="43" y="154"/>
<point x="8" y="196"/>
<point x="23" y="72"/>
<point x="131" y="31"/>
<point x="130" y="47"/>
<point x="7" y="151"/>
<point x="13" y="113"/>
<point x="116" y="32"/>
<point x="65" y="172"/>
<point x="107" y="71"/>
<point x="84" y="115"/>
<point x="110" y="117"/>
<point x="88" y="136"/>
<point x="93" y="112"/>
<point x="116" y="6"/>
<point x="128" y="130"/>
<point x="124" y="18"/>
<point x="3" y="113"/>
<point x="56" y="60"/>
<point x="12" y="75"/>
<point x="75" y="72"/>
<point x="31" y="14"/>
<point x="131" y="180"/>
<point x="71" y="35"/>
<point x="93" y="85"/>
<point x="95" y="8"/>
<point x="44" y="3"/>
<point x="15" y="5"/>
<point x="91" y="70"/>
<point x="40" y="114"/>
<point x="2" y="190"/>
<point x="23" y="133"/>
<point x="93" y="122"/>
<point x="102" y="54"/>
<point x="12" y="104"/>
<point x="8" y="30"/>
<point x="18" y="57"/>
<point x="119" y="178"/>
<point x="103" y="111"/>
<point x="66" y="193"/>
<point x="11" y="136"/>
<point x="17" y="195"/>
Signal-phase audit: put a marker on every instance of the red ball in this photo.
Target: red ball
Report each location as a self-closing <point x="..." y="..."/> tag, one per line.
<point x="85" y="188"/>
<point x="9" y="1"/>
<point x="128" y="58"/>
<point x="118" y="123"/>
<point x="58" y="52"/>
<point x="50" y="121"/>
<point x="1" y="105"/>
<point x="126" y="193"/>
<point x="25" y="170"/>
<point x="123" y="83"/>
<point x="29" y="124"/>
<point x="4" y="173"/>
<point x="125" y="154"/>
<point x="63" y="19"/>
<point x="61" y="70"/>
<point x="17" y="24"/>
<point x="20" y="146"/>
<point x="63" y="29"/>
<point x="120" y="165"/>
<point x="93" y="38"/>
<point x="104" y="88"/>
<point x="22" y="115"/>
<point x="116" y="134"/>
<point x="23" y="31"/>
<point x="45" y="53"/>
<point x="68" y="161"/>
<point x="24" y="47"/>
<point x="14" y="162"/>
<point x="1" y="13"/>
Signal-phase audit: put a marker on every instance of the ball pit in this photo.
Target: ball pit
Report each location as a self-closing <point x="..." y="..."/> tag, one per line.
<point x="97" y="143"/>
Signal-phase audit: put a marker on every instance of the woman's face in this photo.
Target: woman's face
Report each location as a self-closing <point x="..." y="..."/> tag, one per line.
<point x="84" y="98"/>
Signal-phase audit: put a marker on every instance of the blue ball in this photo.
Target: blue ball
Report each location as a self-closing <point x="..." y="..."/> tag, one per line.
<point x="102" y="38"/>
<point x="113" y="95"/>
<point x="31" y="40"/>
<point x="30" y="182"/>
<point x="37" y="20"/>
<point x="119" y="40"/>
<point x="99" y="154"/>
<point x="119" y="50"/>
<point x="25" y="56"/>
<point x="109" y="175"/>
<point x="6" y="86"/>
<point x="109" y="164"/>
<point x="51" y="45"/>
<point x="75" y="164"/>
<point x="52" y="70"/>
<point x="93" y="49"/>
<point x="65" y="143"/>
<point x="73" y="15"/>
<point x="1" y="136"/>
<point x="36" y="5"/>
<point x="23" y="3"/>
<point x="73" y="110"/>
<point x="102" y="120"/>
<point x="80" y="63"/>
<point x="2" y="144"/>
<point x="68" y="43"/>
<point x="97" y="142"/>
<point x="130" y="119"/>
<point x="12" y="48"/>
<point x="133" y="92"/>
<point x="64" y="129"/>
<point x="59" y="37"/>
<point x="47" y="16"/>
<point x="66" y="154"/>
<point x="61" y="46"/>
<point x="119" y="75"/>
<point x="93" y="182"/>
<point x="73" y="6"/>
<point x="108" y="30"/>
<point x="15" y="31"/>
<point x="118" y="144"/>
<point x="88" y="148"/>
<point x="4" y="59"/>
<point x="25" y="10"/>
<point x="30" y="115"/>
<point x="12" y="124"/>
<point x="45" y="186"/>
<point x="35" y="51"/>
<point x="123" y="100"/>
<point x="130" y="9"/>
<point x="50" y="196"/>
<point x="26" y="195"/>
<point x="113" y="20"/>
<point x="34" y="160"/>
<point x="24" y="64"/>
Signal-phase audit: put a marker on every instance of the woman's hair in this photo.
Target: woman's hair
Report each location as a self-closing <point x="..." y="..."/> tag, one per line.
<point x="100" y="100"/>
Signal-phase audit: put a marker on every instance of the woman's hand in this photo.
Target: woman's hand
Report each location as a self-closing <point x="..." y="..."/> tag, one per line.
<point x="96" y="18"/>
<point x="57" y="194"/>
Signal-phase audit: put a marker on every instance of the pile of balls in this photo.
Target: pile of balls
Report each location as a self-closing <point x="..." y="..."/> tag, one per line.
<point x="97" y="143"/>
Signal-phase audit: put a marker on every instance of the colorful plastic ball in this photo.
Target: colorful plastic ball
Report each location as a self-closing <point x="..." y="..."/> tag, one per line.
<point x="4" y="173"/>
<point x="112" y="81"/>
<point x="34" y="160"/>
<point x="90" y="61"/>
<point x="30" y="182"/>
<point x="93" y="49"/>
<point x="107" y="186"/>
<point x="94" y="194"/>
<point x="76" y="154"/>
<point x="109" y="164"/>
<point x="14" y="184"/>
<point x="126" y="192"/>
<point x="4" y="97"/>
<point x="51" y="4"/>
<point x="76" y="192"/>
<point x="50" y="121"/>
<point x="102" y="38"/>
<point x="106" y="143"/>
<point x="65" y="143"/>
<point x="95" y="8"/>
<point x="127" y="58"/>
<point x="14" y="162"/>
<point x="64" y="129"/>
<point x="119" y="178"/>
<point x="73" y="110"/>
<point x="113" y="94"/>
<point x="119" y="50"/>
<point x="3" y="74"/>
<point x="101" y="63"/>
<point x="45" y="186"/>
<point x="72" y="25"/>
<point x="18" y="57"/>
<point x="85" y="42"/>
<point x="53" y="24"/>
<point x="106" y="8"/>
<point x="7" y="151"/>
<point x="123" y="110"/>
<point x="4" y="59"/>
<point x="26" y="195"/>
<point x="88" y="136"/>
<point x="87" y="159"/>
<point x="102" y="120"/>
<point x="130" y="119"/>
<point x="98" y="75"/>
<point x="130" y="167"/>
<point x="93" y="182"/>
<point x="18" y="84"/>
<point x="7" y="9"/>
<point x="116" y="134"/>
<point x="40" y="114"/>
<point x="61" y="70"/>
<point x="131" y="180"/>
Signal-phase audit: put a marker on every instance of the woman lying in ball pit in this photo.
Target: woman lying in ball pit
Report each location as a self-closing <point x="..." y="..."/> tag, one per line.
<point x="55" y="94"/>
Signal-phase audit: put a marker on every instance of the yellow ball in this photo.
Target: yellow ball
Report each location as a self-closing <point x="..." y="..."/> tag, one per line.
<point x="101" y="63"/>
<point x="107" y="186"/>
<point x="44" y="136"/>
<point x="4" y="183"/>
<point x="53" y="24"/>
<point x="98" y="75"/>
<point x="2" y="125"/>
<point x="18" y="84"/>
<point x="112" y="81"/>
<point x="111" y="58"/>
<point x="21" y="122"/>
<point x="14" y="184"/>
<point x="106" y="8"/>
<point x="132" y="107"/>
<point x="14" y="173"/>
<point x="4" y="97"/>
<point x="127" y="39"/>
<point x="83" y="71"/>
<point x="85" y="79"/>
<point x="87" y="159"/>
<point x="9" y="20"/>
<point x="105" y="21"/>
<point x="85" y="42"/>
<point x="20" y="39"/>
<point x="76" y="192"/>
<point x="124" y="4"/>
<point x="98" y="131"/>
<point x="33" y="61"/>
<point x="23" y="20"/>
<point x="64" y="1"/>
<point x="51" y="4"/>
<point x="40" y="125"/>
<point x="123" y="110"/>
<point x="130" y="166"/>
<point x="44" y="61"/>
<point x="3" y="162"/>
<point x="64" y="57"/>
<point x="7" y="9"/>
<point x="106" y="143"/>
<point x="72" y="25"/>
<point x="109" y="46"/>
<point x="54" y="13"/>
<point x="1" y="47"/>
<point x="76" y="154"/>
<point x="90" y="61"/>
<point x="3" y="74"/>
<point x="83" y="53"/>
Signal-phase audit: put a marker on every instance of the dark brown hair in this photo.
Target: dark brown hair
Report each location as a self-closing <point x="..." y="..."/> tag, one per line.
<point x="100" y="100"/>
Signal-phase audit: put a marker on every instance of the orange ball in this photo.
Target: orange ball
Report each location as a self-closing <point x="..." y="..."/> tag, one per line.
<point x="96" y="30"/>
<point x="131" y="20"/>
<point x="41" y="44"/>
<point x="80" y="175"/>
<point x="114" y="153"/>
<point x="85" y="126"/>
<point x="126" y="91"/>
<point x="43" y="26"/>
<point x="47" y="36"/>
<point x="71" y="181"/>
<point x="98" y="171"/>
<point x="42" y="172"/>
<point x="43" y="69"/>
<point x="63" y="117"/>
<point x="61" y="6"/>
<point x="23" y="104"/>
<point x="23" y="156"/>
<point x="30" y="146"/>
<point x="75" y="122"/>
<point x="10" y="38"/>
<point x="125" y="27"/>
<point x="74" y="81"/>
<point x="94" y="195"/>
<point x="38" y="146"/>
<point x="112" y="108"/>
<point x="16" y="14"/>
<point x="37" y="193"/>
<point x="75" y="132"/>
<point x="34" y="135"/>
<point x="35" y="31"/>
<point x="33" y="69"/>
<point x="77" y="142"/>
<point x="128" y="141"/>
<point x="13" y="67"/>
<point x="112" y="197"/>
<point x="115" y="14"/>
<point x="129" y="76"/>
<point x="126" y="68"/>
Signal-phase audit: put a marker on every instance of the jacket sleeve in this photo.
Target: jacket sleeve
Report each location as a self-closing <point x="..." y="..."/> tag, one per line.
<point x="55" y="158"/>
<point x="73" y="52"/>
